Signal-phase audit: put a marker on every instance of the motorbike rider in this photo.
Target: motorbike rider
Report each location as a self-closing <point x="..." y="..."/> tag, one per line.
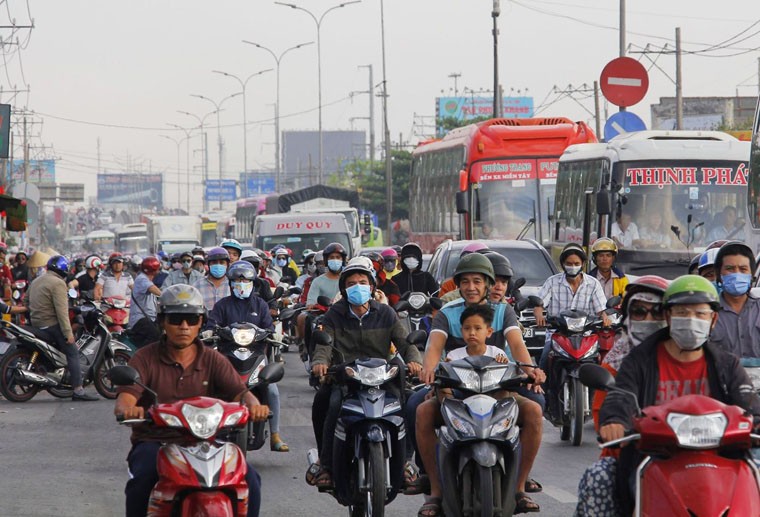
<point x="85" y="281"/>
<point x="284" y="263"/>
<point x="185" y="274"/>
<point x="260" y="285"/>
<point x="20" y="270"/>
<point x="706" y="266"/>
<point x="677" y="360"/>
<point x="164" y="272"/>
<point x="113" y="282"/>
<point x="474" y="276"/>
<point x="142" y="317"/>
<point x="448" y="285"/>
<point x="603" y="253"/>
<point x="234" y="249"/>
<point x="76" y="268"/>
<point x="49" y="315"/>
<point x="390" y="262"/>
<point x="309" y="269"/>
<point x="384" y="284"/>
<point x="412" y="278"/>
<point x="199" y="264"/>
<point x="319" y="269"/>
<point x="360" y="327"/>
<point x="215" y="285"/>
<point x="177" y="367"/>
<point x="243" y="305"/>
<point x="327" y="285"/>
<point x="6" y="277"/>
<point x="739" y="312"/>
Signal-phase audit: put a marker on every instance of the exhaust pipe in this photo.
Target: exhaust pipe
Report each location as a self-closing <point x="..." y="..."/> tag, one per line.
<point x="35" y="378"/>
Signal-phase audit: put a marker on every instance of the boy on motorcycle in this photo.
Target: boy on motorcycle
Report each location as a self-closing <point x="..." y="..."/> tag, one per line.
<point x="177" y="367"/>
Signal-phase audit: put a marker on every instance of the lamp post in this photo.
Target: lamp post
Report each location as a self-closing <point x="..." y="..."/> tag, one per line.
<point x="495" y="12"/>
<point x="187" y="163"/>
<point x="178" y="142"/>
<point x="277" y="60"/>
<point x="201" y="122"/>
<point x="218" y="106"/>
<point x="318" y="22"/>
<point x="243" y="85"/>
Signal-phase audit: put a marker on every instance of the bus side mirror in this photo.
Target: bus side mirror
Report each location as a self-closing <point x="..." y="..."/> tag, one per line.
<point x="367" y="225"/>
<point x="603" y="202"/>
<point x="463" y="203"/>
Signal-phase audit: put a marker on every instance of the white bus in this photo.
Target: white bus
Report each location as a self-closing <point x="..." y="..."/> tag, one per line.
<point x="100" y="242"/>
<point x="680" y="190"/>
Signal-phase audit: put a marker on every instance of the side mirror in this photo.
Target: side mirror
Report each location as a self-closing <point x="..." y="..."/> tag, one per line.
<point x="517" y="284"/>
<point x="437" y="303"/>
<point x="596" y="377"/>
<point x="463" y="202"/>
<point x="529" y="302"/>
<point x="401" y="306"/>
<point x="614" y="302"/>
<point x="123" y="375"/>
<point x="321" y="337"/>
<point x="73" y="294"/>
<point x="417" y="337"/>
<point x="271" y="373"/>
<point x="286" y="314"/>
<point x="278" y="292"/>
<point x="603" y="202"/>
<point x="294" y="289"/>
<point x="324" y="301"/>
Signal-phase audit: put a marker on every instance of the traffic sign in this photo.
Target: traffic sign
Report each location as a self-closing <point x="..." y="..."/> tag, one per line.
<point x="221" y="191"/>
<point x="624" y="81"/>
<point x="622" y="122"/>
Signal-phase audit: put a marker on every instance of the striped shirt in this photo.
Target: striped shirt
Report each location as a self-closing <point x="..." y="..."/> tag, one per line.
<point x="558" y="296"/>
<point x="212" y="294"/>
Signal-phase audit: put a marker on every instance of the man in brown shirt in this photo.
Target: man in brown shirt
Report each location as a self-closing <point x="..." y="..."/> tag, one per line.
<point x="178" y="367"/>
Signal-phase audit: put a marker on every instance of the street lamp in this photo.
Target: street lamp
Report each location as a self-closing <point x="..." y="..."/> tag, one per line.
<point x="277" y="60"/>
<point x="496" y="91"/>
<point x="177" y="142"/>
<point x="318" y="22"/>
<point x="187" y="163"/>
<point x="218" y="106"/>
<point x="201" y="122"/>
<point x="243" y="84"/>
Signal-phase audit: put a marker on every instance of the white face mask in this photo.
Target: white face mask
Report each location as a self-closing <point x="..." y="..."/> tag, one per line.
<point x="689" y="333"/>
<point x="412" y="263"/>
<point x="572" y="271"/>
<point x="638" y="331"/>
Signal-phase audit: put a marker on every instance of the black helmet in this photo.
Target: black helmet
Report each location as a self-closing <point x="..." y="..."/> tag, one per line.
<point x="734" y="248"/>
<point x="335" y="247"/>
<point x="181" y="299"/>
<point x="572" y="249"/>
<point x="501" y="265"/>
<point x="474" y="263"/>
<point x="411" y="249"/>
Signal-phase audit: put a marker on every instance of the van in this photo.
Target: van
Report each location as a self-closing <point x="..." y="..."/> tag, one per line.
<point x="302" y="230"/>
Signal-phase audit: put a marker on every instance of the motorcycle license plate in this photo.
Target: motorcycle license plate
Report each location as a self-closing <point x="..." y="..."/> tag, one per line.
<point x="528" y="332"/>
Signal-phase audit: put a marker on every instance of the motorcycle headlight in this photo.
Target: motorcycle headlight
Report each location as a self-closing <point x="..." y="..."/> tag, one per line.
<point x="456" y="418"/>
<point x="171" y="420"/>
<point x="203" y="422"/>
<point x="243" y="336"/>
<point x="698" y="431"/>
<point x="591" y="351"/>
<point x="491" y="379"/>
<point x="372" y="376"/>
<point x="416" y="301"/>
<point x="233" y="419"/>
<point x="119" y="303"/>
<point x="469" y="378"/>
<point x="575" y="324"/>
<point x="242" y="353"/>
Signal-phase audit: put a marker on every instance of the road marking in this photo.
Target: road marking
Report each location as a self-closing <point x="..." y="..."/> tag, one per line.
<point x="562" y="496"/>
<point x="624" y="81"/>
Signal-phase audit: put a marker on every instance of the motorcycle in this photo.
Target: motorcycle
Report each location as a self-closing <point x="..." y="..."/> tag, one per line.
<point x="33" y="364"/>
<point x="418" y="308"/>
<point x="696" y="454"/>
<point x="479" y="443"/>
<point x="245" y="346"/>
<point x="752" y="366"/>
<point x="18" y="292"/>
<point x="200" y="472"/>
<point x="368" y="452"/>
<point x="533" y="335"/>
<point x="116" y="310"/>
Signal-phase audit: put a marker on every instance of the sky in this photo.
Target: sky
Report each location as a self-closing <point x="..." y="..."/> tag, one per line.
<point x="105" y="78"/>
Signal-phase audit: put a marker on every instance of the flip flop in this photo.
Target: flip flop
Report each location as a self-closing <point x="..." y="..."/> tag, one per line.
<point x="532" y="486"/>
<point x="431" y="508"/>
<point x="525" y="504"/>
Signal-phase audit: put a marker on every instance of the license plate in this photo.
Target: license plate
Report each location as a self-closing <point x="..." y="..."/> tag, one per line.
<point x="528" y="332"/>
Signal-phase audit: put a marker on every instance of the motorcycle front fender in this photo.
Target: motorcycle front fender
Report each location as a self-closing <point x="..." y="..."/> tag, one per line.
<point x="485" y="454"/>
<point x="208" y="504"/>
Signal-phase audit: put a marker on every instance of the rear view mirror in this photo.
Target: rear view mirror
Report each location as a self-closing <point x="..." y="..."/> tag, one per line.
<point x="437" y="303"/>
<point x="271" y="373"/>
<point x="417" y="337"/>
<point x="278" y="292"/>
<point x="321" y="337"/>
<point x="603" y="202"/>
<point x="324" y="301"/>
<point x="596" y="377"/>
<point x="123" y="375"/>
<point x="614" y="301"/>
<point x="73" y="294"/>
<point x="517" y="284"/>
<point x="463" y="203"/>
<point x="294" y="289"/>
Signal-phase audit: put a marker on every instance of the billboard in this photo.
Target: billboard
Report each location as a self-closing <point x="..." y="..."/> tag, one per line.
<point x="226" y="192"/>
<point x="134" y="189"/>
<point x="468" y="108"/>
<point x="40" y="171"/>
<point x="256" y="183"/>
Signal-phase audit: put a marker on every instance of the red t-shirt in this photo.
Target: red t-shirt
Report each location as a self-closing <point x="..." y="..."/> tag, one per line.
<point x="678" y="379"/>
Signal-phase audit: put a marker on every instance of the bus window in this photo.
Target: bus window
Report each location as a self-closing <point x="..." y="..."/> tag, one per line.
<point x="753" y="192"/>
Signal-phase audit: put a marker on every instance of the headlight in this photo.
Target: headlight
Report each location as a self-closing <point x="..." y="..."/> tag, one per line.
<point x="458" y="422"/>
<point x="575" y="324"/>
<point x="233" y="419"/>
<point x="243" y="336"/>
<point x="119" y="303"/>
<point x="203" y="422"/>
<point x="491" y="379"/>
<point x="372" y="376"/>
<point x="591" y="351"/>
<point x="698" y="432"/>
<point x="171" y="420"/>
<point x="416" y="301"/>
<point x="469" y="378"/>
<point x="242" y="353"/>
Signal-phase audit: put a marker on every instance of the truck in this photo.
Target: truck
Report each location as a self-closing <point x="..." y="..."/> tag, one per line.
<point x="132" y="239"/>
<point x="174" y="233"/>
<point x="302" y="230"/>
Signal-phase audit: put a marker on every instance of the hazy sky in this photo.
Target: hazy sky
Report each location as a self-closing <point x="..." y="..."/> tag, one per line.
<point x="134" y="64"/>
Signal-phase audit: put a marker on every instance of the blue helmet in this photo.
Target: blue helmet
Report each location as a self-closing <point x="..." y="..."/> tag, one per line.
<point x="59" y="265"/>
<point x="707" y="259"/>
<point x="231" y="243"/>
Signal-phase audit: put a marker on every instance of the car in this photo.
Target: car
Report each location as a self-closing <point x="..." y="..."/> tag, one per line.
<point x="426" y="258"/>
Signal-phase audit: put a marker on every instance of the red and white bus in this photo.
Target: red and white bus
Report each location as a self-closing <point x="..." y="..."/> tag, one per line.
<point x="487" y="180"/>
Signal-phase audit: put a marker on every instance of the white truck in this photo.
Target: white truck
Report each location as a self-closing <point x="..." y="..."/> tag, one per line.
<point x="302" y="230"/>
<point x="174" y="233"/>
<point x="132" y="239"/>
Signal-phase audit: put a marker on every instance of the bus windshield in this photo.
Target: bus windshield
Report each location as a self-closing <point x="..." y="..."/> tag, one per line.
<point x="137" y="244"/>
<point x="504" y="208"/>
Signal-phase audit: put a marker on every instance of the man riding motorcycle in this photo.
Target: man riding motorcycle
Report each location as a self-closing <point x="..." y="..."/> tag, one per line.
<point x="604" y="252"/>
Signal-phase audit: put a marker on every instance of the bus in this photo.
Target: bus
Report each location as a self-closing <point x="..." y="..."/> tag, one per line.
<point x="488" y="180"/>
<point x="245" y="215"/>
<point x="100" y="242"/>
<point x="753" y="192"/>
<point x="132" y="239"/>
<point x="673" y="192"/>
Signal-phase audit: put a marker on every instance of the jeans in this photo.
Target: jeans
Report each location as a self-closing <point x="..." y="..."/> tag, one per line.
<point x="273" y="401"/>
<point x="143" y="477"/>
<point x="55" y="336"/>
<point x="410" y="417"/>
<point x="328" y="430"/>
<point x="544" y="360"/>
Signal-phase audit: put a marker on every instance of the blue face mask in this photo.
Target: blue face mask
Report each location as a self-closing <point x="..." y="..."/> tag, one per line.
<point x="718" y="287"/>
<point x="281" y="262"/>
<point x="217" y="270"/>
<point x="358" y="294"/>
<point x="335" y="265"/>
<point x="737" y="284"/>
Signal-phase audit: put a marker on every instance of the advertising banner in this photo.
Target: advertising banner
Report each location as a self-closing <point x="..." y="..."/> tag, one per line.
<point x="467" y="108"/>
<point x="136" y="189"/>
<point x="221" y="191"/>
<point x="505" y="170"/>
<point x="40" y="171"/>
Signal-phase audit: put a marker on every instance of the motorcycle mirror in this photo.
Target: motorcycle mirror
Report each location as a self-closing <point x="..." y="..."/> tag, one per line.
<point x="517" y="284"/>
<point x="271" y="373"/>
<point x="535" y="301"/>
<point x="614" y="301"/>
<point x="294" y="289"/>
<point x="286" y="314"/>
<point x="278" y="292"/>
<point x="595" y="376"/>
<point x="73" y="294"/>
<point x="324" y="300"/>
<point x="436" y="303"/>
<point x="123" y="375"/>
<point x="321" y="337"/>
<point x="402" y="306"/>
<point x="417" y="337"/>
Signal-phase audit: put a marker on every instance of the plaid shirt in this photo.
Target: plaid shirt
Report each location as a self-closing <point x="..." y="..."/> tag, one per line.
<point x="558" y="296"/>
<point x="212" y="294"/>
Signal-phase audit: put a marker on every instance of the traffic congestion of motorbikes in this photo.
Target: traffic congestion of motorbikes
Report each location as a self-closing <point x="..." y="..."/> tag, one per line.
<point x="421" y="385"/>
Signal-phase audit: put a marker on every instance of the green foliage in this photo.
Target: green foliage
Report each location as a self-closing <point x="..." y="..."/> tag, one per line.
<point x="738" y="125"/>
<point x="446" y="124"/>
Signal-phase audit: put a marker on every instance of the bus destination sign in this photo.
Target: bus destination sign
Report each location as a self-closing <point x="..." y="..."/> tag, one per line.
<point x="663" y="176"/>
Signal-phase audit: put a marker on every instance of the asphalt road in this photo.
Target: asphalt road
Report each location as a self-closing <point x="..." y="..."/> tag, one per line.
<point x="68" y="459"/>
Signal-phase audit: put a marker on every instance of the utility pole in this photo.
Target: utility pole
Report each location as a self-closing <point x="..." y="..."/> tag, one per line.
<point x="679" y="83"/>
<point x="758" y="77"/>
<point x="622" y="28"/>
<point x="26" y="154"/>
<point x="387" y="133"/>
<point x="496" y="100"/>
<point x="370" y="91"/>
<point x="99" y="169"/>
<point x="596" y="109"/>
<point x="455" y="76"/>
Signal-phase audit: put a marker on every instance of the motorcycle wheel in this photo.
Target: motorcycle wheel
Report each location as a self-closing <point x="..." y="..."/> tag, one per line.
<point x="102" y="383"/>
<point x="375" y="504"/>
<point x="482" y="490"/>
<point x="61" y="393"/>
<point x="576" y="412"/>
<point x="10" y="387"/>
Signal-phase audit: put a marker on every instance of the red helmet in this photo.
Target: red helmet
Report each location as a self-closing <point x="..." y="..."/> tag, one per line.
<point x="644" y="284"/>
<point x="115" y="256"/>
<point x="150" y="265"/>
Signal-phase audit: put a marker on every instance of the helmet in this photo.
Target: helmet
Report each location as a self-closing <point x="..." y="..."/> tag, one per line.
<point x="181" y="299"/>
<point x="411" y="249"/>
<point x="389" y="253"/>
<point x="185" y="254"/>
<point x="474" y="263"/>
<point x="93" y="262"/>
<point x="150" y="265"/>
<point x="59" y="265"/>
<point x="198" y="250"/>
<point x="501" y="265"/>
<point x="251" y="257"/>
<point x="162" y="255"/>
<point x="694" y="264"/>
<point x="308" y="257"/>
<point x="319" y="257"/>
<point x="231" y="243"/>
<point x="572" y="249"/>
<point x="734" y="248"/>
<point x="199" y="258"/>
<point x="707" y="259"/>
<point x="115" y="257"/>
<point x="22" y="252"/>
<point x="377" y="261"/>
<point x="241" y="268"/>
<point x="265" y="255"/>
<point x="716" y="244"/>
<point x="472" y="248"/>
<point x="218" y="253"/>
<point x="691" y="289"/>
<point x="356" y="265"/>
<point x="79" y="262"/>
<point x="603" y="244"/>
<point x="176" y="257"/>
<point x="335" y="247"/>
<point x="278" y="252"/>
<point x="644" y="284"/>
<point x="305" y="253"/>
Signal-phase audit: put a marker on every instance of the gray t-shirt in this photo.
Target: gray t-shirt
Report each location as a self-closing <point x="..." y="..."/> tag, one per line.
<point x="146" y="300"/>
<point x="322" y="286"/>
<point x="447" y="322"/>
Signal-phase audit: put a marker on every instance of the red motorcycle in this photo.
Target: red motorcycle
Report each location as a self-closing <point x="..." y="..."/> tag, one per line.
<point x="696" y="455"/>
<point x="200" y="473"/>
<point x="116" y="311"/>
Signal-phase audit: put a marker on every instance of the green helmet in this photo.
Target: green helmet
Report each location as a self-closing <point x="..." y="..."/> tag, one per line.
<point x="691" y="289"/>
<point x="474" y="263"/>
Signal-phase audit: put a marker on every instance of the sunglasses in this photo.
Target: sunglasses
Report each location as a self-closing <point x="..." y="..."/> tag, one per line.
<point x="177" y="319"/>
<point x="639" y="313"/>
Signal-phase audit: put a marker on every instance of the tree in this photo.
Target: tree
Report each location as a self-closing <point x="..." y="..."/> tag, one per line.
<point x="446" y="124"/>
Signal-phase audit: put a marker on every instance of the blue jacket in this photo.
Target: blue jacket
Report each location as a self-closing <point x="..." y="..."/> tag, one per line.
<point x="232" y="309"/>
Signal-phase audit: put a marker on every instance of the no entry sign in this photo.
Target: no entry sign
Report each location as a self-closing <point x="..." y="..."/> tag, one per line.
<point x="624" y="81"/>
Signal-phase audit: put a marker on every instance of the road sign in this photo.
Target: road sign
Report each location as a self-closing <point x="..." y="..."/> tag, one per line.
<point x="226" y="192"/>
<point x="622" y="122"/>
<point x="256" y="186"/>
<point x="71" y="192"/>
<point x="624" y="81"/>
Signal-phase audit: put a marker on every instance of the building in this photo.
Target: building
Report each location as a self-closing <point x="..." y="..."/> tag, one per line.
<point x="300" y="150"/>
<point x="705" y="112"/>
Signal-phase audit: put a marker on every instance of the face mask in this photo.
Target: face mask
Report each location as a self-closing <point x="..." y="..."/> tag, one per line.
<point x="281" y="262"/>
<point x="389" y="265"/>
<point x="737" y="284"/>
<point x="335" y="265"/>
<point x="412" y="263"/>
<point x="187" y="264"/>
<point x="638" y="331"/>
<point x="242" y="290"/>
<point x="200" y="268"/>
<point x="689" y="333"/>
<point x="176" y="266"/>
<point x="572" y="271"/>
<point x="359" y="294"/>
<point x="321" y="270"/>
<point x="311" y="269"/>
<point x="217" y="270"/>
<point x="718" y="287"/>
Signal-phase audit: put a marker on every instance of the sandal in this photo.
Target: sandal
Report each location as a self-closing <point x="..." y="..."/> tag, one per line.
<point x="431" y="508"/>
<point x="532" y="486"/>
<point x="276" y="444"/>
<point x="323" y="481"/>
<point x="525" y="504"/>
<point x="421" y="485"/>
